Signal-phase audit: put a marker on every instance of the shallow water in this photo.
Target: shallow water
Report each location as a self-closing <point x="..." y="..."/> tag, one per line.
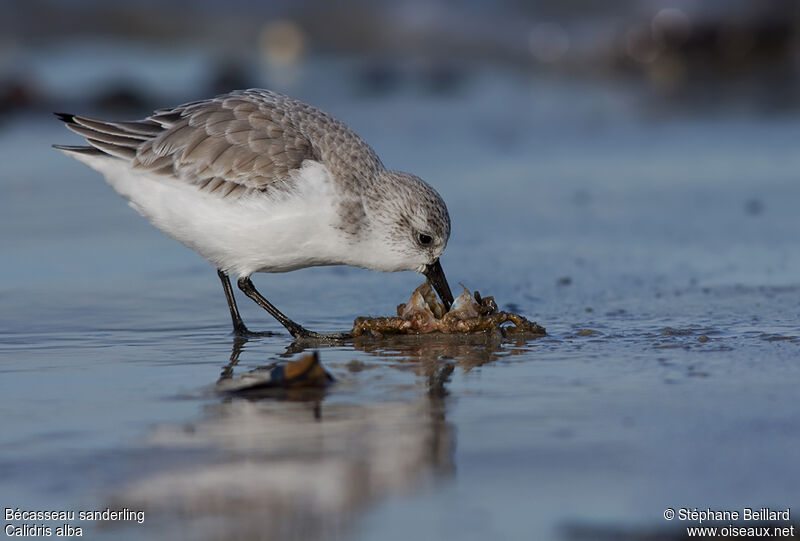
<point x="659" y="251"/>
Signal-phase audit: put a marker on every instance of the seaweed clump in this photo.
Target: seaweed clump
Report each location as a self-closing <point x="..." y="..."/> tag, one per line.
<point x="424" y="314"/>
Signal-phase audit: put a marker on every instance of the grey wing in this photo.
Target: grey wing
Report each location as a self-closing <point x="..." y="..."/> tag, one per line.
<point x="233" y="143"/>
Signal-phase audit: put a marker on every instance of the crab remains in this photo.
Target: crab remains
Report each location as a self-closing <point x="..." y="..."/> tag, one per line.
<point x="423" y="314"/>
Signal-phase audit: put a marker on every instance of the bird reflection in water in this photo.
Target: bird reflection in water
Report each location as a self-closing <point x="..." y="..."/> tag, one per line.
<point x="289" y="463"/>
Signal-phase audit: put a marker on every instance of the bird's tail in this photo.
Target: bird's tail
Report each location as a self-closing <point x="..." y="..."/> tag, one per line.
<point x="115" y="139"/>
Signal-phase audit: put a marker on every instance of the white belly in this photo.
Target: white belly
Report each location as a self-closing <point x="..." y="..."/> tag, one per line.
<point x="240" y="235"/>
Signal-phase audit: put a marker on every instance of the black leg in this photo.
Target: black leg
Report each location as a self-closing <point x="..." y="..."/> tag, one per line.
<point x="298" y="331"/>
<point x="239" y="327"/>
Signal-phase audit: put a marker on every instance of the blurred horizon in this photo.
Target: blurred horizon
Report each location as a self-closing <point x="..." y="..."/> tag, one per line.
<point x="705" y="56"/>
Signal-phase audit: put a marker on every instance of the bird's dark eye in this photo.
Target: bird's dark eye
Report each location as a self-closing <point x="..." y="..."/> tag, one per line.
<point x="425" y="239"/>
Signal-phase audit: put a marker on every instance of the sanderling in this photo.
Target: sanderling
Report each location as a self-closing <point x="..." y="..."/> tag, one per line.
<point x="255" y="181"/>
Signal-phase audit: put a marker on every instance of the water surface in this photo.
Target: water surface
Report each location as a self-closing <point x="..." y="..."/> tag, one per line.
<point x="660" y="252"/>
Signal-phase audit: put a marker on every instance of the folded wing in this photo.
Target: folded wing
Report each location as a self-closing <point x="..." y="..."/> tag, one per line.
<point x="234" y="143"/>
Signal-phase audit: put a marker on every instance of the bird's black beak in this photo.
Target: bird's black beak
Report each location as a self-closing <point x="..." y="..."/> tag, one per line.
<point x="435" y="276"/>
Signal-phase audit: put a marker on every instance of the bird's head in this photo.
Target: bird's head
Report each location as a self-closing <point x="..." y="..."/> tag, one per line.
<point x="410" y="227"/>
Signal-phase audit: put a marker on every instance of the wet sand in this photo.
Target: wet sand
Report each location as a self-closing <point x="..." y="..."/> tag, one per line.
<point x="661" y="255"/>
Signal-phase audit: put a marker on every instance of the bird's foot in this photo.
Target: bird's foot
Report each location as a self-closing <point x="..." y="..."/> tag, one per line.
<point x="241" y="331"/>
<point x="304" y="334"/>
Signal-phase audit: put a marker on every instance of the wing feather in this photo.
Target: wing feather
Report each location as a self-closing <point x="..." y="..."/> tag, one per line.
<point x="233" y="144"/>
<point x="121" y="141"/>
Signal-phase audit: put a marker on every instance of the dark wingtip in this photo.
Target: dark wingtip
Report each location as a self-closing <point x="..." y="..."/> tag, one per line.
<point x="78" y="149"/>
<point x="65" y="117"/>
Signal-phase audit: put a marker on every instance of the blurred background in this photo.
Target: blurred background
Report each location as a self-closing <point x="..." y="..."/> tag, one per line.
<point x="624" y="172"/>
<point x="728" y="56"/>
